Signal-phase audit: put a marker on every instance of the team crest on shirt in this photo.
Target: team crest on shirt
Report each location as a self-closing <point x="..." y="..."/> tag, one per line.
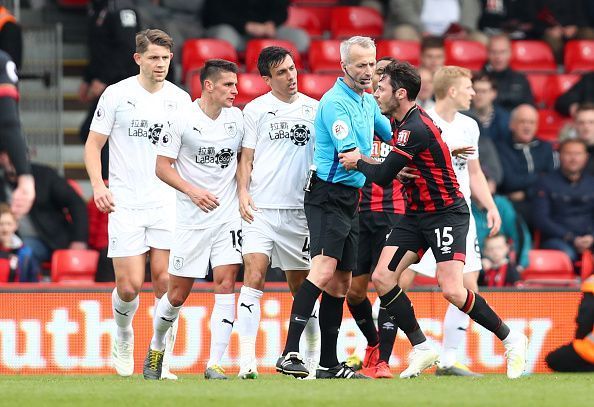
<point x="155" y="132"/>
<point x="224" y="157"/>
<point x="307" y="111"/>
<point x="300" y="134"/>
<point x="178" y="262"/>
<point x="402" y="137"/>
<point x="170" y="105"/>
<point x="231" y="129"/>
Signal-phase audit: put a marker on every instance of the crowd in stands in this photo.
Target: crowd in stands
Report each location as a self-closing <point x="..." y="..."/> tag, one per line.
<point x="543" y="185"/>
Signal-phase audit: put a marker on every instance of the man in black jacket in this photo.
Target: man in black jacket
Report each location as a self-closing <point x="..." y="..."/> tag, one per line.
<point x="513" y="88"/>
<point x="581" y="92"/>
<point x="58" y="218"/>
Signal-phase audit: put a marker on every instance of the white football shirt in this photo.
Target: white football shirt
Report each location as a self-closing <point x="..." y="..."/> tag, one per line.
<point x="134" y="119"/>
<point x="461" y="132"/>
<point x="283" y="137"/>
<point x="206" y="153"/>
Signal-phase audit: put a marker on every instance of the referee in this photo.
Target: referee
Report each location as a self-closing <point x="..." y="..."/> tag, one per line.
<point x="346" y="119"/>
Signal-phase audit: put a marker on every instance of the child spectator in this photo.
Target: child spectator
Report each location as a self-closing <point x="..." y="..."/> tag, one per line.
<point x="21" y="263"/>
<point x="498" y="269"/>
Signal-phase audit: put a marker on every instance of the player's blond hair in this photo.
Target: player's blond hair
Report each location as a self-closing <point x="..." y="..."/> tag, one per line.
<point x="152" y="36"/>
<point x="446" y="77"/>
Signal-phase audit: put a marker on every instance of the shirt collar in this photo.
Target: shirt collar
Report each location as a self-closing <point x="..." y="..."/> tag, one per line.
<point x="354" y="95"/>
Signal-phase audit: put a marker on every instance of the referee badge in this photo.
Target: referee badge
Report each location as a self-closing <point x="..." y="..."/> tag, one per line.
<point x="178" y="262"/>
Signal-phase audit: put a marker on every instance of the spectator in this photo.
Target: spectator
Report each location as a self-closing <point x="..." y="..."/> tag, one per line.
<point x="511" y="17"/>
<point x="524" y="160"/>
<point x="425" y="97"/>
<point x="564" y="203"/>
<point x="498" y="269"/>
<point x="11" y="36"/>
<point x="237" y="21"/>
<point x="584" y="127"/>
<point x="513" y="227"/>
<point x="560" y="21"/>
<point x="513" y="88"/>
<point x="581" y="92"/>
<point x="98" y="240"/>
<point x="493" y="118"/>
<point x="578" y="356"/>
<point x="415" y="19"/>
<point x="432" y="53"/>
<point x="19" y="258"/>
<point x="112" y="27"/>
<point x="58" y="218"/>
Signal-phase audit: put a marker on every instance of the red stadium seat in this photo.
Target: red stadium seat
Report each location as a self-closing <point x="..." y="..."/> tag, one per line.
<point x="74" y="265"/>
<point x="532" y="56"/>
<point x="538" y="85"/>
<point x="469" y="54"/>
<point x="402" y="50"/>
<point x="549" y="267"/>
<point x="560" y="84"/>
<point x="348" y="21"/>
<point x="197" y="51"/>
<point x="324" y="56"/>
<point x="249" y="87"/>
<point x="255" y="46"/>
<point x="73" y="4"/>
<point x="549" y="124"/>
<point x="315" y="85"/>
<point x="308" y="19"/>
<point x="579" y="56"/>
<point x="4" y="270"/>
<point x="546" y="88"/>
<point x="314" y="2"/>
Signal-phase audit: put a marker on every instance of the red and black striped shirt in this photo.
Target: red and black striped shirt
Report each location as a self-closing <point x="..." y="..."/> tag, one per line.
<point x="374" y="197"/>
<point x="418" y="138"/>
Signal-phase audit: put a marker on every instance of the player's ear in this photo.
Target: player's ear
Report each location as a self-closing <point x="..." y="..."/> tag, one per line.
<point x="137" y="57"/>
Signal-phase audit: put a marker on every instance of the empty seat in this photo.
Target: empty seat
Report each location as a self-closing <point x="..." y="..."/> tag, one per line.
<point x="255" y="46"/>
<point x="196" y="52"/>
<point x="324" y="56"/>
<point x="549" y="267"/>
<point x="348" y="21"/>
<point x="549" y="124"/>
<point x="400" y="49"/>
<point x="315" y="85"/>
<point x="538" y="85"/>
<point x="249" y="87"/>
<point x="74" y="265"/>
<point x="308" y="19"/>
<point x="546" y="88"/>
<point x="579" y="56"/>
<point x="469" y="54"/>
<point x="532" y="56"/>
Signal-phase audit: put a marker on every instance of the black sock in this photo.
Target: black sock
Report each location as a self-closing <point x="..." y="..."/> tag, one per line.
<point x="330" y="319"/>
<point x="477" y="308"/>
<point x="387" y="334"/>
<point x="364" y="319"/>
<point x="303" y="304"/>
<point x="398" y="305"/>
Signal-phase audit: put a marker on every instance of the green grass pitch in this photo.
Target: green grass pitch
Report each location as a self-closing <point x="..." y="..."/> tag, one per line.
<point x="275" y="390"/>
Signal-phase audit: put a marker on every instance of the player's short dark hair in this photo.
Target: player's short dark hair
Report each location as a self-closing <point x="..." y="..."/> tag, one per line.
<point x="404" y="75"/>
<point x="572" y="141"/>
<point x="214" y="67"/>
<point x="271" y="57"/>
<point x="146" y="37"/>
<point x="432" y="42"/>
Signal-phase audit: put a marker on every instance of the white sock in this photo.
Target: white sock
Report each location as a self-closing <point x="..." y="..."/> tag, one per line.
<point x="248" y="322"/>
<point x="123" y="313"/>
<point x="164" y="317"/>
<point x="423" y="345"/>
<point x="512" y="336"/>
<point x="312" y="335"/>
<point x="221" y="325"/>
<point x="455" y="325"/>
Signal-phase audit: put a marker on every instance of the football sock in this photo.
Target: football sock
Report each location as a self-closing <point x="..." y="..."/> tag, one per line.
<point x="398" y="305"/>
<point x="165" y="316"/>
<point x="123" y="313"/>
<point x="387" y="334"/>
<point x="312" y="335"/>
<point x="221" y="325"/>
<point x="455" y="325"/>
<point x="330" y="320"/>
<point x="478" y="309"/>
<point x="363" y="317"/>
<point x="248" y="322"/>
<point x="303" y="305"/>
